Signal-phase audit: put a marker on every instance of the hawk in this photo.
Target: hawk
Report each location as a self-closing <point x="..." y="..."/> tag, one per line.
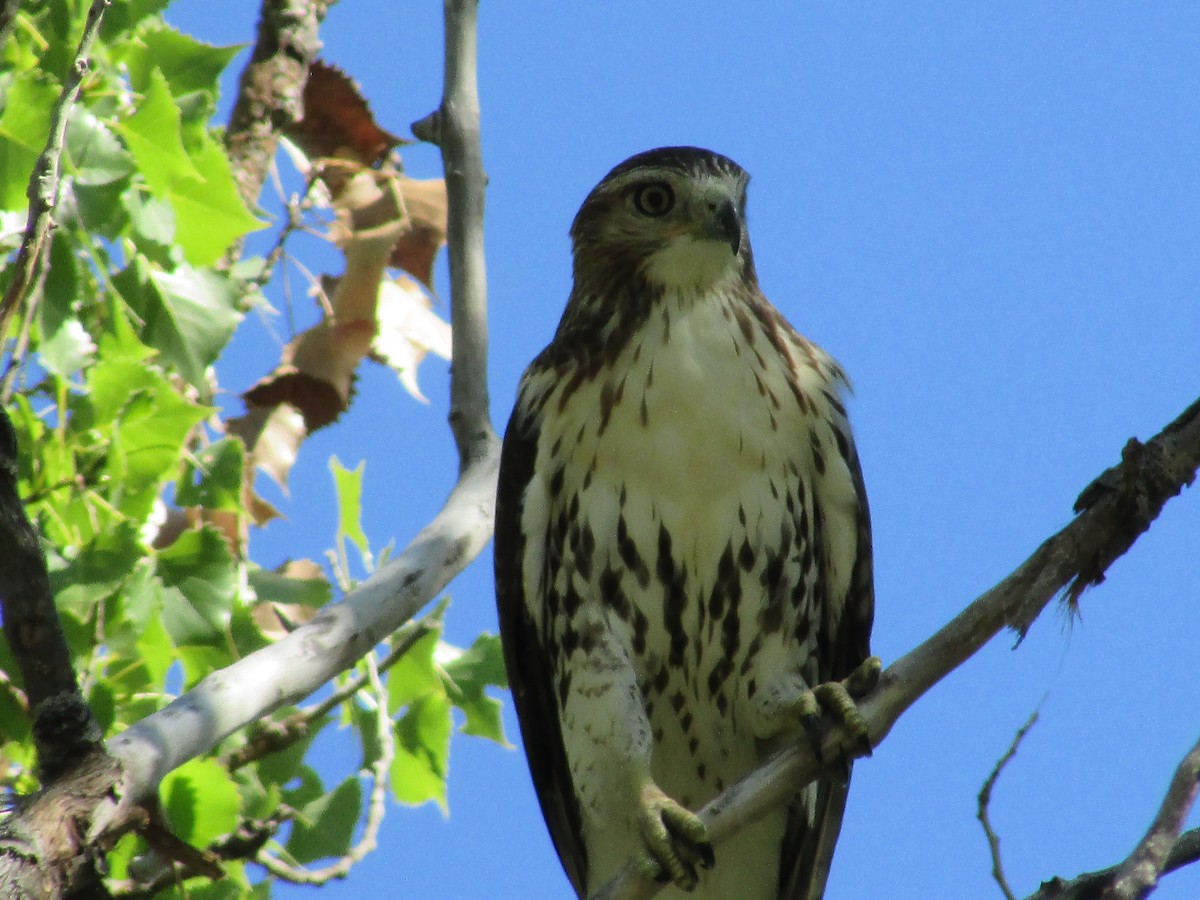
<point x="682" y="549"/>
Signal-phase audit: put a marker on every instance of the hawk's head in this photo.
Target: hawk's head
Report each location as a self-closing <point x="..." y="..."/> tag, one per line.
<point x="675" y="216"/>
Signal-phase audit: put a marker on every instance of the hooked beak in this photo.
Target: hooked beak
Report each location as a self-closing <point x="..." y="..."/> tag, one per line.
<point x="721" y="223"/>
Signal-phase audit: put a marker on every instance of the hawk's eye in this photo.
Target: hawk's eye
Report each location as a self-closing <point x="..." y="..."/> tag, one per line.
<point x="654" y="199"/>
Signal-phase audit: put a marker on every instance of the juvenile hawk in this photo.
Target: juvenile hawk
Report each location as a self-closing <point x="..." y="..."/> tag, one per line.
<point x="683" y="551"/>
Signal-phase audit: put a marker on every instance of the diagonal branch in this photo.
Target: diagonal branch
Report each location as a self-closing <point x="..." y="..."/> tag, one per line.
<point x="1115" y="510"/>
<point x="342" y="633"/>
<point x="1138" y="875"/>
<point x="1184" y="851"/>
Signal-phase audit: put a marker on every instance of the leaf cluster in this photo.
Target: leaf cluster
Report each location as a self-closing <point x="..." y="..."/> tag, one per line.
<point x="144" y="497"/>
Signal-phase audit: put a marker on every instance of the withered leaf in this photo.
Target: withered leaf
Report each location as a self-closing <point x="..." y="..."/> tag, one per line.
<point x="338" y="121"/>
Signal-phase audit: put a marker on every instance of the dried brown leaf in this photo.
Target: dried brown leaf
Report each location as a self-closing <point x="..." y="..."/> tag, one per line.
<point x="408" y="330"/>
<point x="338" y="121"/>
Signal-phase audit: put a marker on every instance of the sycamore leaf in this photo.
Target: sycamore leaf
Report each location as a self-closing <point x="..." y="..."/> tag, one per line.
<point x="422" y="758"/>
<point x="209" y="211"/>
<point x="201" y="580"/>
<point x="153" y="136"/>
<point x="326" y="825"/>
<point x="272" y="435"/>
<point x="425" y="214"/>
<point x="201" y="801"/>
<point x="24" y="125"/>
<point x="70" y="349"/>
<point x="408" y="330"/>
<point x="188" y="314"/>
<point x="348" y="484"/>
<point x="337" y="120"/>
<point x="186" y="63"/>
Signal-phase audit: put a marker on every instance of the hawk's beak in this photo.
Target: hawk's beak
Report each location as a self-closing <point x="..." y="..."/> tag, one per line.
<point x="721" y="223"/>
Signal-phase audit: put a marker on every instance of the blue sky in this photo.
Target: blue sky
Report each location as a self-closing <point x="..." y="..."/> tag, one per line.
<point x="988" y="214"/>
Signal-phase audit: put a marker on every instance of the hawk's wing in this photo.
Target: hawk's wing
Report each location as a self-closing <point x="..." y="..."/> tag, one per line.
<point x="530" y="668"/>
<point x="812" y="830"/>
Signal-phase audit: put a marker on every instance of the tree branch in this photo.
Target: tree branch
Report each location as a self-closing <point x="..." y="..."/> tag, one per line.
<point x="44" y="181"/>
<point x="271" y="89"/>
<point x="985" y="800"/>
<point x="1113" y="511"/>
<point x="1162" y="850"/>
<point x="342" y="633"/>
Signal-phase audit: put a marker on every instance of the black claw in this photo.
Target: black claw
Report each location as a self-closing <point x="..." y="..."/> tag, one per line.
<point x="812" y="725"/>
<point x="864" y="744"/>
<point x="663" y="876"/>
<point x="708" y="859"/>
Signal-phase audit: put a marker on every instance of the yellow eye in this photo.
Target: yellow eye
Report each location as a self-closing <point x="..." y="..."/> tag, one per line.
<point x="654" y="199"/>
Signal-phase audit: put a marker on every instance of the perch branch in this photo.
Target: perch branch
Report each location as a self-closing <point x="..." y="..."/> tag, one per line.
<point x="1114" y="510"/>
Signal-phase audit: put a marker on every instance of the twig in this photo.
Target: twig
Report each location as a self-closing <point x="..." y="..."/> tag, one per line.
<point x="376" y="807"/>
<point x="44" y="183"/>
<point x="1115" y="516"/>
<point x="278" y="735"/>
<point x="295" y="666"/>
<point x="985" y="800"/>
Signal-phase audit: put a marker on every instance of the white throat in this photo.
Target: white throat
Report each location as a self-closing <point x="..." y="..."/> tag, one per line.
<point x="690" y="265"/>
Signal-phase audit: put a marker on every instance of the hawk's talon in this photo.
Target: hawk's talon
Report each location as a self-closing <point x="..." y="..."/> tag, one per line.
<point x="838" y="700"/>
<point x="675" y="840"/>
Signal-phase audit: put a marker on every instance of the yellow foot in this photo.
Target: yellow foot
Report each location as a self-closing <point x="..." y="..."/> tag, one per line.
<point x="838" y="699"/>
<point x="674" y="840"/>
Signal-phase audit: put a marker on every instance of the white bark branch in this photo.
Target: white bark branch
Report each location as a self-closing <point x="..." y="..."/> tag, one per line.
<point x="1113" y="512"/>
<point x="297" y="665"/>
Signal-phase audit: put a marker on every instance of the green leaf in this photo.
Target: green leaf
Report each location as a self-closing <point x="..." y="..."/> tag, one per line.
<point x="422" y="752"/>
<point x="60" y="296"/>
<point x="189" y="314"/>
<point x="209" y="212"/>
<point x="153" y="223"/>
<point x="186" y="63"/>
<point x="415" y="675"/>
<point x="201" y="801"/>
<point x="95" y="571"/>
<point x="280" y="588"/>
<point x="127" y="15"/>
<point x="24" y="125"/>
<point x="94" y="155"/>
<point x="348" y="486"/>
<point x="101" y="208"/>
<point x="282" y="766"/>
<point x="68" y="350"/>
<point x="153" y="136"/>
<point x="470" y="671"/>
<point x="220" y="466"/>
<point x="327" y="824"/>
<point x="201" y="582"/>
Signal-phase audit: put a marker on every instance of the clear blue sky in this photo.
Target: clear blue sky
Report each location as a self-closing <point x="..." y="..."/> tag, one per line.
<point x="989" y="214"/>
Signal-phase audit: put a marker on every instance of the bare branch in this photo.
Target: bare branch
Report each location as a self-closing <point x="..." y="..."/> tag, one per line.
<point x="454" y="127"/>
<point x="44" y="182"/>
<point x="985" y="800"/>
<point x="1089" y="886"/>
<point x="1117" y="508"/>
<point x="1136" y="876"/>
